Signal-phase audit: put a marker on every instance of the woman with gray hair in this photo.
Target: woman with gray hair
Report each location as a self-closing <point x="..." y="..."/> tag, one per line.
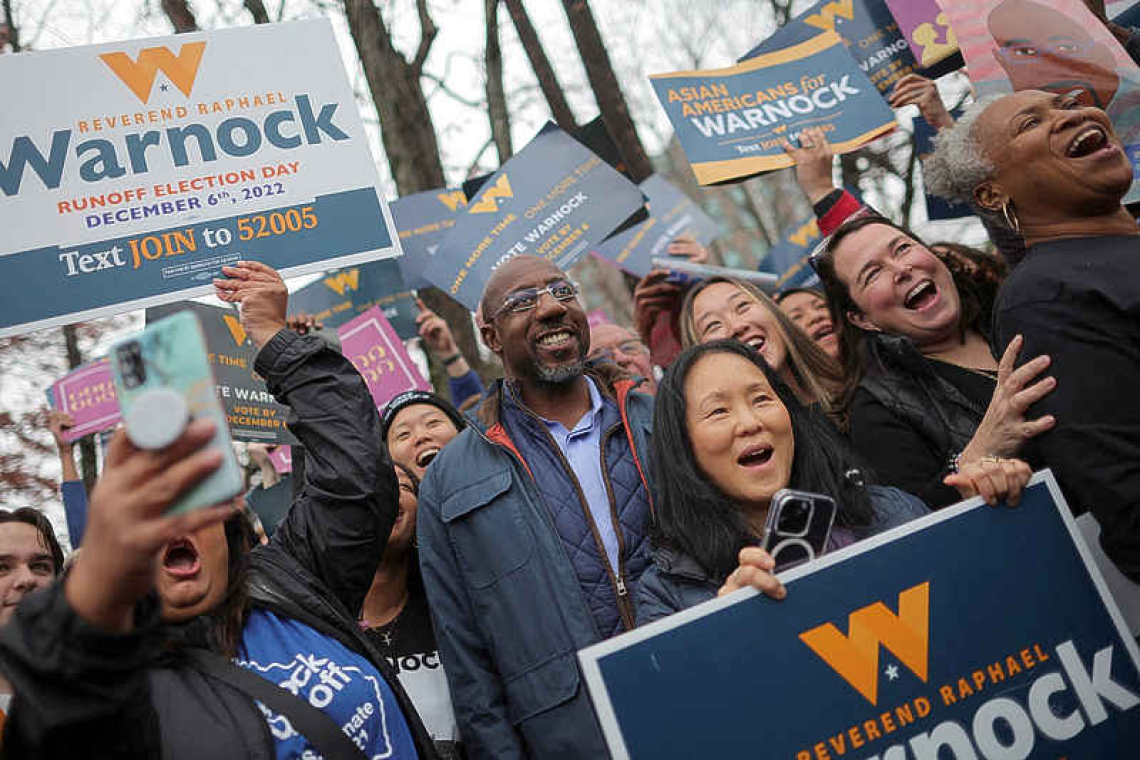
<point x="1053" y="170"/>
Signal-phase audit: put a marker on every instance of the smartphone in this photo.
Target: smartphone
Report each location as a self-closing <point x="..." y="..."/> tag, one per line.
<point x="170" y="356"/>
<point x="798" y="527"/>
<point x="681" y="278"/>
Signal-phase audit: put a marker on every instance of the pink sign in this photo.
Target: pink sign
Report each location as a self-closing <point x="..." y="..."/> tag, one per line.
<point x="598" y="317"/>
<point x="370" y="343"/>
<point x="926" y="28"/>
<point x="87" y="393"/>
<point x="282" y="459"/>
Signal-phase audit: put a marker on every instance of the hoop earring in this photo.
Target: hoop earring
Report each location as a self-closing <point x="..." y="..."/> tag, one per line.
<point x="1010" y="217"/>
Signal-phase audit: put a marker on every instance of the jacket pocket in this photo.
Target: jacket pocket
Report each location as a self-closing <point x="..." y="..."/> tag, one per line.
<point x="542" y="688"/>
<point x="488" y="534"/>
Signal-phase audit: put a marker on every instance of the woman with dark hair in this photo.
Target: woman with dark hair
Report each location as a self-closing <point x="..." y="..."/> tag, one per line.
<point x="808" y="308"/>
<point x="923" y="394"/>
<point x="722" y="307"/>
<point x="729" y="434"/>
<point x="1055" y="171"/>
<point x="171" y="638"/>
<point x="396" y="619"/>
<point x="974" y="270"/>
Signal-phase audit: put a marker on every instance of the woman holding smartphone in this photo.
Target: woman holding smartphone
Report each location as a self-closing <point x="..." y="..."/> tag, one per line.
<point x="172" y="637"/>
<point x="729" y="434"/>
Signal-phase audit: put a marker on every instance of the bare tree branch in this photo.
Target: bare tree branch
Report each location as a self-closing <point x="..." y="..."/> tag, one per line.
<point x="543" y="70"/>
<point x="256" y="9"/>
<point x="180" y="15"/>
<point x="428" y="31"/>
<point x="9" y="33"/>
<point x="496" y="94"/>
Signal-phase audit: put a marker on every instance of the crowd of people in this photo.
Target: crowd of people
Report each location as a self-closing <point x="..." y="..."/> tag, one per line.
<point x="443" y="560"/>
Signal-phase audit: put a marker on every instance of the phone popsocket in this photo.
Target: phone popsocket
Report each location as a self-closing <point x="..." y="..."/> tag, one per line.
<point x="163" y="380"/>
<point x="156" y="419"/>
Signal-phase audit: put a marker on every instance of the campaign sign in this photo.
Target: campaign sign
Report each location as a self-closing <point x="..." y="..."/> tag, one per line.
<point x="975" y="632"/>
<point x="251" y="411"/>
<point x="373" y="347"/>
<point x="926" y="28"/>
<point x="422" y="220"/>
<point x="346" y="293"/>
<point x="1065" y="49"/>
<point x="732" y="122"/>
<point x="282" y="459"/>
<point x="87" y="393"/>
<point x="789" y="258"/>
<point x="872" y="36"/>
<point x="131" y="172"/>
<point x="671" y="214"/>
<point x="554" y="199"/>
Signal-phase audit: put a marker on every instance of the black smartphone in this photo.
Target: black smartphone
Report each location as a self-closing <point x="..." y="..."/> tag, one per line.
<point x="798" y="527"/>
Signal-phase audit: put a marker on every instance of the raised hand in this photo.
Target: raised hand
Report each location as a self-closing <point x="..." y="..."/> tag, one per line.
<point x="1005" y="428"/>
<point x="917" y="90"/>
<point x="262" y="295"/>
<point x="814" y="161"/>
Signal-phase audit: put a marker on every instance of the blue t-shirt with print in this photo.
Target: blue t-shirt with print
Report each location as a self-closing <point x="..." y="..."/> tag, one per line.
<point x="338" y="681"/>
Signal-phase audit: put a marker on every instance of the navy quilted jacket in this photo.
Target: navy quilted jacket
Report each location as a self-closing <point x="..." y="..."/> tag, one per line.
<point x="515" y="579"/>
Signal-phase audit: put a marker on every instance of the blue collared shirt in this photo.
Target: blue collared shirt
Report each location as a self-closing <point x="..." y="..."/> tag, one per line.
<point x="582" y="448"/>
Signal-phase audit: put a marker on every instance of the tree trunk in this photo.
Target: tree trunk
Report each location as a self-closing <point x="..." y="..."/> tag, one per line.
<point x="604" y="83"/>
<point x="408" y="135"/>
<point x="256" y="9"/>
<point x="180" y="15"/>
<point x="543" y="70"/>
<point x="13" y="34"/>
<point x="496" y="94"/>
<point x="87" y="465"/>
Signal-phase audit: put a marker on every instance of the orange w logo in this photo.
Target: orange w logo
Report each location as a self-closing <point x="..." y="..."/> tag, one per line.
<point x="825" y="19"/>
<point x="139" y="75"/>
<point x="452" y="199"/>
<point x="349" y="279"/>
<point x="487" y="204"/>
<point x="236" y="330"/>
<point x="855" y="656"/>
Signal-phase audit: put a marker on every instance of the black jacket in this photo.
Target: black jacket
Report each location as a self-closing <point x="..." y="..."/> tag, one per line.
<point x="907" y="421"/>
<point x="81" y="692"/>
<point x="1078" y="301"/>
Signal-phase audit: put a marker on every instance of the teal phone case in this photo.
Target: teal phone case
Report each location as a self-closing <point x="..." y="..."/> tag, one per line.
<point x="174" y="356"/>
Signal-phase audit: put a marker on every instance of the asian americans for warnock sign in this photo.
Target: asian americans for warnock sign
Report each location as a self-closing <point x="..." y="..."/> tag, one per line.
<point x="147" y="165"/>
<point x="732" y="122"/>
<point x="975" y="633"/>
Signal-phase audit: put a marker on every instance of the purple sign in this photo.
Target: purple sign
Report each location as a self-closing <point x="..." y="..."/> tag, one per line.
<point x="926" y="28"/>
<point x="282" y="459"/>
<point x="88" y="395"/>
<point x="373" y="347"/>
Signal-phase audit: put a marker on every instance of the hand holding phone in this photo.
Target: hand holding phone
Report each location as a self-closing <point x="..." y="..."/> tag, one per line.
<point x="164" y="382"/>
<point x="798" y="527"/>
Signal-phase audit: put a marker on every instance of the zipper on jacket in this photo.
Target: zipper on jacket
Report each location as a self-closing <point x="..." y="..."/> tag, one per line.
<point x="549" y="522"/>
<point x="625" y="604"/>
<point x="621" y="592"/>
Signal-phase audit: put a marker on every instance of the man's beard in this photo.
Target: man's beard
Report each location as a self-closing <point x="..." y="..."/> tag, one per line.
<point x="560" y="374"/>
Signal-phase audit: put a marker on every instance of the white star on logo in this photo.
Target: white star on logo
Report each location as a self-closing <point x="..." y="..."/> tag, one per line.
<point x="892" y="672"/>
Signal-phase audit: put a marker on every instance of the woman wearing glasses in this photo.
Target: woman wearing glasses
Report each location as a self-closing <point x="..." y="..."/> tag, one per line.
<point x="923" y="394"/>
<point x="729" y="434"/>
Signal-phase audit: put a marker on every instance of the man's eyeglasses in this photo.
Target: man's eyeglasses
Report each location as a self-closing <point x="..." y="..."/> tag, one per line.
<point x="627" y="347"/>
<point x="527" y="298"/>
